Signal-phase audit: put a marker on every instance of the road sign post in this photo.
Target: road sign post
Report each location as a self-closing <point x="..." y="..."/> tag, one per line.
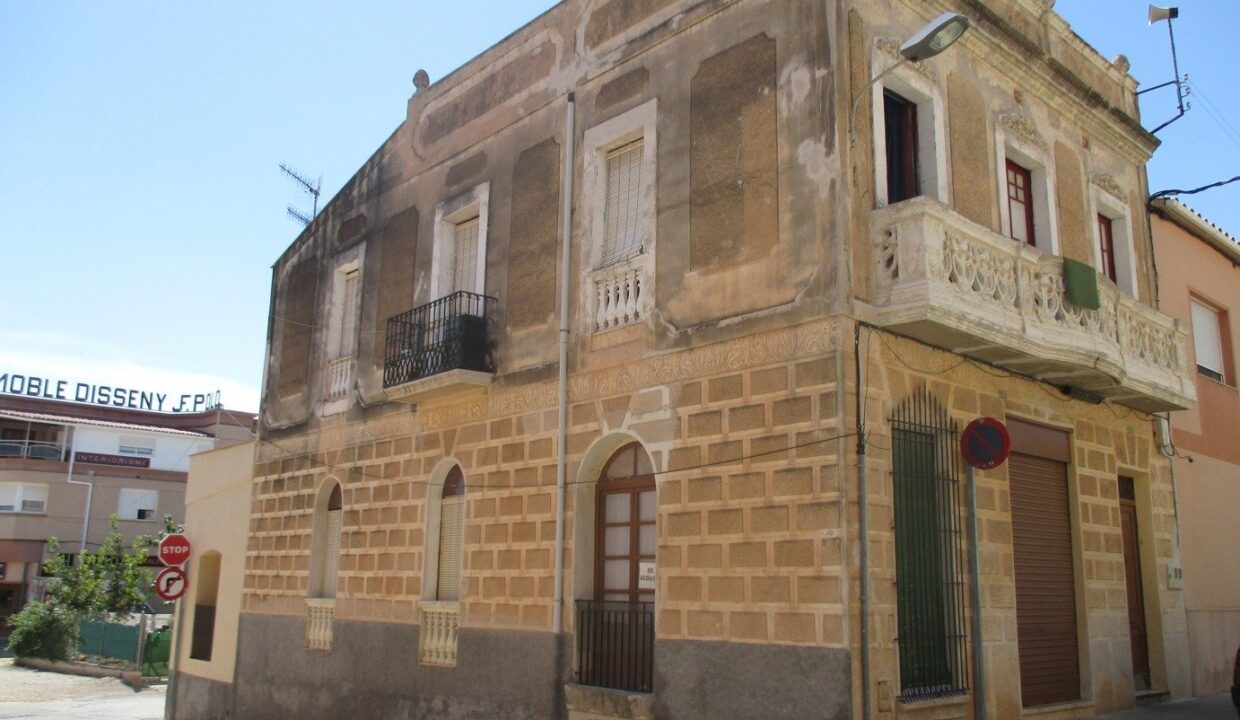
<point x="174" y="550"/>
<point x="170" y="583"/>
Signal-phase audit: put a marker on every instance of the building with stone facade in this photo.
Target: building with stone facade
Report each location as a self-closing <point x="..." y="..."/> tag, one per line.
<point x="1199" y="283"/>
<point x="626" y="379"/>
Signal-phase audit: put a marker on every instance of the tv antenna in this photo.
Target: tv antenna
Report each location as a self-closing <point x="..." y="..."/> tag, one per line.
<point x="1169" y="13"/>
<point x="310" y="188"/>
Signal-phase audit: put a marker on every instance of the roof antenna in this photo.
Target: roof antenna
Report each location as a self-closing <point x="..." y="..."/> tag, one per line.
<point x="1169" y="14"/>
<point x="311" y="188"/>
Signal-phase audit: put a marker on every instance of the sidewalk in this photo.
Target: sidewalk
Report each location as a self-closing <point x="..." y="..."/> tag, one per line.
<point x="1215" y="707"/>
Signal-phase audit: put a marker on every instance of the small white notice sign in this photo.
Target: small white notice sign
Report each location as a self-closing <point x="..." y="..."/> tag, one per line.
<point x="645" y="575"/>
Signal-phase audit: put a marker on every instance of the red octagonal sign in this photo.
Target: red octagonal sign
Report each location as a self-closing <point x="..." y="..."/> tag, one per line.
<point x="174" y="550"/>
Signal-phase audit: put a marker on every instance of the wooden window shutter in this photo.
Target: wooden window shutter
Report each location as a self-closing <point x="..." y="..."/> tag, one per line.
<point x="331" y="553"/>
<point x="348" y="321"/>
<point x="622" y="211"/>
<point x="1207" y="340"/>
<point x="465" y="260"/>
<point x="451" y="526"/>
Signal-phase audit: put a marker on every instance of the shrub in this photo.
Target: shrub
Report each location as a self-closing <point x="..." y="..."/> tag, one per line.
<point x="43" y="630"/>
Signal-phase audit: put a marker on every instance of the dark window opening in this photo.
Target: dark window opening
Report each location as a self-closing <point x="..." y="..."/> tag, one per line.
<point x="1106" y="242"/>
<point x="1020" y="203"/>
<point x="900" y="118"/>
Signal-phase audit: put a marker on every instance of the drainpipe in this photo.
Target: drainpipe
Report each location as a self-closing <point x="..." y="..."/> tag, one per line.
<point x="975" y="599"/>
<point x="90" y="489"/>
<point x="863" y="531"/>
<point x="561" y="467"/>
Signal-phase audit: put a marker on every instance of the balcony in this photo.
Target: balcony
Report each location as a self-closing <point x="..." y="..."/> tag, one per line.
<point x="320" y="614"/>
<point x="957" y="285"/>
<point x="339" y="373"/>
<point x="33" y="449"/>
<point x="437" y="638"/>
<point x="439" y="348"/>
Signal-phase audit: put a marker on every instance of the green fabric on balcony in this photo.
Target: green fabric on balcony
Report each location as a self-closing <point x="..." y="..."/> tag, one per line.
<point x="1080" y="283"/>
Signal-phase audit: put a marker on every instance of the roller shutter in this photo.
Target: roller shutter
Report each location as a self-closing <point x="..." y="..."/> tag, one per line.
<point x="1045" y="589"/>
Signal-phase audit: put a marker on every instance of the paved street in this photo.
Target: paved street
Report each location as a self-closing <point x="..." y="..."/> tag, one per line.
<point x="36" y="695"/>
<point x="1217" y="707"/>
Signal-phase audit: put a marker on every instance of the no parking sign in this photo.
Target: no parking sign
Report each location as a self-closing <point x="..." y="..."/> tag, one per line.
<point x="985" y="443"/>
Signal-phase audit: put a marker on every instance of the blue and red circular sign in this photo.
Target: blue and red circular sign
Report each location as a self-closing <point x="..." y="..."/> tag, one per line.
<point x="985" y="443"/>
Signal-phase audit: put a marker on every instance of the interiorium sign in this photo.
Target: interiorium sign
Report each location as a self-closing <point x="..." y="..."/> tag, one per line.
<point x="107" y="395"/>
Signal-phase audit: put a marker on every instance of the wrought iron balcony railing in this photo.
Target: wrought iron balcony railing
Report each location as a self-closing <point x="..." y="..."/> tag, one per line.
<point x="450" y="333"/>
<point x="615" y="644"/>
<point x="32" y="449"/>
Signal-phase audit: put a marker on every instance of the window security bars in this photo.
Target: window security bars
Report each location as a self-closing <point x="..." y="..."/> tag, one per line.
<point x="447" y="334"/>
<point x="615" y="644"/>
<point x="930" y="550"/>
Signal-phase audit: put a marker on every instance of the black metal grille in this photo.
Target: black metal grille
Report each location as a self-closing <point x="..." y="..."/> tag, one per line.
<point x="930" y="550"/>
<point x="615" y="644"/>
<point x="447" y="334"/>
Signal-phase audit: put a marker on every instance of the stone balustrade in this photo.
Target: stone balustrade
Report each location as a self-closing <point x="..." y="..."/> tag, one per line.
<point x="952" y="283"/>
<point x="320" y="613"/>
<point x="619" y="293"/>
<point x="339" y="373"/>
<point x="437" y="636"/>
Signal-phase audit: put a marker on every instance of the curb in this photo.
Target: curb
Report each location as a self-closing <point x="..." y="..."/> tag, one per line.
<point x="132" y="678"/>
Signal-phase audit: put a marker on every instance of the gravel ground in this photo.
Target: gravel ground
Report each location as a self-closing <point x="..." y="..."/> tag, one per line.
<point x="37" y="695"/>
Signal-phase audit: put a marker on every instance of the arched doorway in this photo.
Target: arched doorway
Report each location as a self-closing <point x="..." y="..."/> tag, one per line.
<point x="626" y="511"/>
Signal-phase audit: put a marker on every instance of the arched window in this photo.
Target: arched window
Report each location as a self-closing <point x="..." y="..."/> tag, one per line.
<point x="627" y="509"/>
<point x="325" y="556"/>
<point x="451" y="532"/>
<point x="202" y="638"/>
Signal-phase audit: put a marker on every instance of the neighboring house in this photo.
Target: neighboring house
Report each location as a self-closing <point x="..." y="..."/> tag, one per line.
<point x="746" y="498"/>
<point x="128" y="463"/>
<point x="1199" y="283"/>
<point x="217" y="511"/>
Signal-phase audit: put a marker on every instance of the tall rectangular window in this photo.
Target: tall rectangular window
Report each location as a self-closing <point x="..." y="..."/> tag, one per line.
<point x="1106" y="244"/>
<point x="622" y="210"/>
<point x="348" y="319"/>
<point x="1020" y="203"/>
<point x="465" y="257"/>
<point x="900" y="123"/>
<point x="930" y="606"/>
<point x="1208" y="341"/>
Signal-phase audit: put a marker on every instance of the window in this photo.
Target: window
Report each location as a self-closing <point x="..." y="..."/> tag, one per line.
<point x="202" y="637"/>
<point x="451" y="534"/>
<point x="341" y="339"/>
<point x="929" y="550"/>
<point x="900" y="117"/>
<point x="138" y="446"/>
<point x="348" y="319"/>
<point x="137" y="504"/>
<point x="622" y="207"/>
<point x="1020" y="204"/>
<point x="460" y="244"/>
<point x="325" y="545"/>
<point x="626" y="527"/>
<point x="618" y="184"/>
<point x="1106" y="247"/>
<point x="24" y="498"/>
<point x="1209" y="332"/>
<point x="910" y="137"/>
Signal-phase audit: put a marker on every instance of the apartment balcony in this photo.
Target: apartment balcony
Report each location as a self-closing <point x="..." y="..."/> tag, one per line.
<point x="957" y="285"/>
<point x="442" y="347"/>
<point x="33" y="449"/>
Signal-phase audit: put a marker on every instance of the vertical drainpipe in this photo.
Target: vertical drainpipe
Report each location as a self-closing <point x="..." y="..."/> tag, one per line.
<point x="557" y="613"/>
<point x="90" y="488"/>
<point x="863" y="530"/>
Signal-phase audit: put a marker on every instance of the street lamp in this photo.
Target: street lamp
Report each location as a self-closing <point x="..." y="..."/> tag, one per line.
<point x="934" y="38"/>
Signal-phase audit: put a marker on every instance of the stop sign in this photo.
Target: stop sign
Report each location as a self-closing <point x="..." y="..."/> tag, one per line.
<point x="174" y="550"/>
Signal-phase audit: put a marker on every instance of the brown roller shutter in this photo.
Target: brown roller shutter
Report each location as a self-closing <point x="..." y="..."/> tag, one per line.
<point x="1045" y="590"/>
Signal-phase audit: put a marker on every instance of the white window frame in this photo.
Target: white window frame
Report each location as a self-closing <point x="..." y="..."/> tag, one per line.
<point x="136" y="446"/>
<point x="925" y="94"/>
<point x="639" y="123"/>
<point x="1107" y="205"/>
<point x="24" y="493"/>
<point x="434" y="513"/>
<point x="325" y="544"/>
<point x="340" y="347"/>
<point x="136" y="498"/>
<point x="1218" y="315"/>
<point x="1042" y="176"/>
<point x="474" y="203"/>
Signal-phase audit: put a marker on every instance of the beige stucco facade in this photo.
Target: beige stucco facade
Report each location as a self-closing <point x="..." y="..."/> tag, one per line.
<point x="1198" y="262"/>
<point x="771" y="267"/>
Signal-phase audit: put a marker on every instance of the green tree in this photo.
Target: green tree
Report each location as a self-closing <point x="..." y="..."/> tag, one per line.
<point x="106" y="583"/>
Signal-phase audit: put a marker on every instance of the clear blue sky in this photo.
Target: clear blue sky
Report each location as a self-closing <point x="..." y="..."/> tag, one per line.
<point x="141" y="205"/>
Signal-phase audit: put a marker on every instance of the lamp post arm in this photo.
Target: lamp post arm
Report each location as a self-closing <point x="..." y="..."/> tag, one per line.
<point x="852" y="115"/>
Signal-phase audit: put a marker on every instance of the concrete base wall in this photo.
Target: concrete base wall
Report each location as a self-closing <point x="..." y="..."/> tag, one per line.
<point x="372" y="671"/>
<point x="202" y="699"/>
<point x="711" y="680"/>
<point x="1213" y="636"/>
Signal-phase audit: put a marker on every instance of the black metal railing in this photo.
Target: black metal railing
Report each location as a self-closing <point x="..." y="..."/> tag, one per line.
<point x="615" y="644"/>
<point x="32" y="449"/>
<point x="447" y="334"/>
<point x="930" y="550"/>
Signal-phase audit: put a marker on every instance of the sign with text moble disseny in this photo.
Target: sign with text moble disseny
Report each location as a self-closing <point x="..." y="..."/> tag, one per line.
<point x="107" y="395"/>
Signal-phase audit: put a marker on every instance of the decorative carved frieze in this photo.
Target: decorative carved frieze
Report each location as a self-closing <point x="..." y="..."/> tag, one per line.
<point x="1022" y="127"/>
<point x="1107" y="183"/>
